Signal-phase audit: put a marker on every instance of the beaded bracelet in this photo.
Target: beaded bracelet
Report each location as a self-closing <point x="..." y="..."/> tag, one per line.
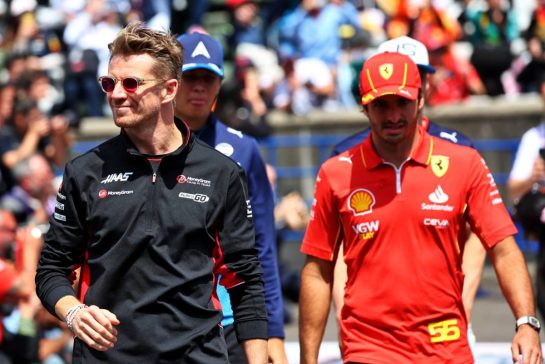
<point x="72" y="313"/>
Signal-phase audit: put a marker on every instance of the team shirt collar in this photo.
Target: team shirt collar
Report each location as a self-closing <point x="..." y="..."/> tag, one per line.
<point x="421" y="155"/>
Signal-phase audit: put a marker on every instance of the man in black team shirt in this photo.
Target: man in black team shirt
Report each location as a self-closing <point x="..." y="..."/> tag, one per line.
<point x="152" y="216"/>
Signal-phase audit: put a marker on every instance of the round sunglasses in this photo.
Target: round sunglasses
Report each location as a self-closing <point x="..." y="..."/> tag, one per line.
<point x="130" y="84"/>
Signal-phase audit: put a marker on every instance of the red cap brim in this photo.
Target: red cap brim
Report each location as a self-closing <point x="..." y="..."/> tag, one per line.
<point x="410" y="93"/>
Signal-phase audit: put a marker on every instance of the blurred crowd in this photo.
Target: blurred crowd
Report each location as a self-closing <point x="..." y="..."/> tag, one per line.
<point x="288" y="55"/>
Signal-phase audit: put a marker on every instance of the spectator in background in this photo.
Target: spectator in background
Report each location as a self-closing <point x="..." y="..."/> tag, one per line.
<point x="455" y="78"/>
<point x="13" y="285"/>
<point x="534" y="58"/>
<point x="494" y="29"/>
<point x="37" y="86"/>
<point x="526" y="187"/>
<point x="30" y="131"/>
<point x="19" y="62"/>
<point x="188" y="15"/>
<point x="27" y="335"/>
<point x="24" y="33"/>
<point x="310" y="49"/>
<point x="243" y="106"/>
<point x="419" y="18"/>
<point x="248" y="44"/>
<point x="7" y="97"/>
<point x="86" y="37"/>
<point x="32" y="199"/>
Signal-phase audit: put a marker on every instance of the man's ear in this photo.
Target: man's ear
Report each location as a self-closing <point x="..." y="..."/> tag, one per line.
<point x="170" y="90"/>
<point x="421" y="100"/>
<point x="364" y="110"/>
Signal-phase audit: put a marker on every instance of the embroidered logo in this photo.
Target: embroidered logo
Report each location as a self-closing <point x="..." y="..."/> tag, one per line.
<point x="439" y="165"/>
<point x="386" y="70"/>
<point x="438" y="196"/>
<point x="361" y="202"/>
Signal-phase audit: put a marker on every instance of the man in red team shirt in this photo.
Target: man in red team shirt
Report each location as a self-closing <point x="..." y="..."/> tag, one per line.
<point x="399" y="202"/>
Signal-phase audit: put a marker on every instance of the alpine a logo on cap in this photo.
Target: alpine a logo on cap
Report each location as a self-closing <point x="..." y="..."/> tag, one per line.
<point x="200" y="50"/>
<point x="361" y="202"/>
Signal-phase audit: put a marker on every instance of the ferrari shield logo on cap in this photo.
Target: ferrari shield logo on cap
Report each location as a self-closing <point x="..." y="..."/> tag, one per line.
<point x="439" y="165"/>
<point x="386" y="70"/>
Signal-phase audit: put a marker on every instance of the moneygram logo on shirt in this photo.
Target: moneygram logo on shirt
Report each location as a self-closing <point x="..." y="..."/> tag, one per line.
<point x="361" y="202"/>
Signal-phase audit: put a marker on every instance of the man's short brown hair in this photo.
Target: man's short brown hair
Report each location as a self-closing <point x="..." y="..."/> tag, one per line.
<point x="136" y="39"/>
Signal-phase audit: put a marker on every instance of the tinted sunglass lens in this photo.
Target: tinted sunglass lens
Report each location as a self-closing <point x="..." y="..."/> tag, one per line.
<point x="107" y="83"/>
<point x="130" y="84"/>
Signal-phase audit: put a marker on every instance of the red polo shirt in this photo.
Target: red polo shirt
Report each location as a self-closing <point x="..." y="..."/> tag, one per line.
<point x="400" y="227"/>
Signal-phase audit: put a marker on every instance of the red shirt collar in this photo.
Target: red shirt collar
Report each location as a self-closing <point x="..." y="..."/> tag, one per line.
<point x="421" y="154"/>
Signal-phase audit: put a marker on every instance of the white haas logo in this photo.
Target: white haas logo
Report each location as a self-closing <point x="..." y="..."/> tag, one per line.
<point x="117" y="177"/>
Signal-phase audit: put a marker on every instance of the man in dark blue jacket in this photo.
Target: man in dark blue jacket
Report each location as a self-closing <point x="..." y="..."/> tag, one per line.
<point x="202" y="74"/>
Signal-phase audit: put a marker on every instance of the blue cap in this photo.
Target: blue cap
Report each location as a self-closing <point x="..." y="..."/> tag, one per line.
<point x="201" y="51"/>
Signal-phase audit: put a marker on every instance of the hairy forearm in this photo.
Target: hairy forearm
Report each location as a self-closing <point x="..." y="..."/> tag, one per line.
<point x="513" y="277"/>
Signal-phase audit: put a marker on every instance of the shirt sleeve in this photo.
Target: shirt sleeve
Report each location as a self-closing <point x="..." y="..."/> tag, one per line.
<point x="262" y="200"/>
<point x="64" y="245"/>
<point x="236" y="236"/>
<point x="488" y="216"/>
<point x="324" y="230"/>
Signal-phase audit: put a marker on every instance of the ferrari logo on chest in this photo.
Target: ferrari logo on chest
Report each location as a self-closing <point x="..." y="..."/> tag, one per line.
<point x="386" y="70"/>
<point x="439" y="165"/>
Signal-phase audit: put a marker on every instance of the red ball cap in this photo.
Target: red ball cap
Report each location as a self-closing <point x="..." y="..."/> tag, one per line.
<point x="234" y="3"/>
<point x="389" y="73"/>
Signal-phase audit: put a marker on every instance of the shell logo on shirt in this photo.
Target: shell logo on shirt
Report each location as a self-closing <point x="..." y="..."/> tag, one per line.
<point x="361" y="202"/>
<point x="439" y="165"/>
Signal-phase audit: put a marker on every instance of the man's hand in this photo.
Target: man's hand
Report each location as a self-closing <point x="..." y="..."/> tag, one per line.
<point x="277" y="352"/>
<point x="95" y="327"/>
<point x="526" y="345"/>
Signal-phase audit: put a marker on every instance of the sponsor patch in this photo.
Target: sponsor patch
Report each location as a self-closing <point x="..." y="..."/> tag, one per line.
<point x="439" y="165"/>
<point x="361" y="202"/>
<point x="106" y="193"/>
<point x="438" y="196"/>
<point x="366" y="230"/>
<point x="386" y="70"/>
<point x="193" y="181"/>
<point x="117" y="177"/>
<point x="438" y="223"/>
<point x="197" y="197"/>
